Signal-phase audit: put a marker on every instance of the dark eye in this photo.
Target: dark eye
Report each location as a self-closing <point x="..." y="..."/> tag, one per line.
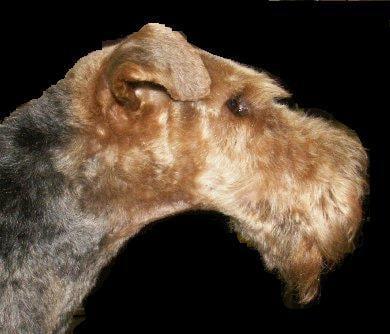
<point x="237" y="106"/>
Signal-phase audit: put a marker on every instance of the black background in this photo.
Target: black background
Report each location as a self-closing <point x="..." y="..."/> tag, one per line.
<point x="189" y="271"/>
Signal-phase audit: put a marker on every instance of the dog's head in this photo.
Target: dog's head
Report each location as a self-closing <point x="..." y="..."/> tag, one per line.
<point x="168" y="123"/>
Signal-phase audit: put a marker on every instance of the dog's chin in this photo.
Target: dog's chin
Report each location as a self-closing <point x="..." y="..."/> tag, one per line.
<point x="291" y="301"/>
<point x="300" y="291"/>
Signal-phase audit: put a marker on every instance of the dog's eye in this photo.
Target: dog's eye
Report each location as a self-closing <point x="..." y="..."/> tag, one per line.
<point x="237" y="106"/>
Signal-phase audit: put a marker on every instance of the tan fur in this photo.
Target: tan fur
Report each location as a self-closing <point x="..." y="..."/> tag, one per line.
<point x="156" y="138"/>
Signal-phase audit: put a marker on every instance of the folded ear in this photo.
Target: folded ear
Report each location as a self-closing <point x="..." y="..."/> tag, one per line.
<point x="156" y="54"/>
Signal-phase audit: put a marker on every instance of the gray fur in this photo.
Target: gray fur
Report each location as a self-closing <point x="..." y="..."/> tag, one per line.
<point x="48" y="246"/>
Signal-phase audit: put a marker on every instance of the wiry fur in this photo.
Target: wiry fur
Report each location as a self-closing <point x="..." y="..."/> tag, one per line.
<point x="141" y="130"/>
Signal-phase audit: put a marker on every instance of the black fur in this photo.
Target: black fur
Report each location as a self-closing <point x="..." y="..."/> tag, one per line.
<point x="28" y="179"/>
<point x="48" y="246"/>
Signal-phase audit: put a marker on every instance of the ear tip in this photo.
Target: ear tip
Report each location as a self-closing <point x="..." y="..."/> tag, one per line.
<point x="154" y="26"/>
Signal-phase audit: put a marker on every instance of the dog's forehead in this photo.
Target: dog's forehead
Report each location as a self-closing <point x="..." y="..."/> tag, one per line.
<point x="227" y="67"/>
<point x="229" y="77"/>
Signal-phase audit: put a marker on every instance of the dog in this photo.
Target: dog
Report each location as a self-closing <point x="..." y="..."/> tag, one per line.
<point x="149" y="127"/>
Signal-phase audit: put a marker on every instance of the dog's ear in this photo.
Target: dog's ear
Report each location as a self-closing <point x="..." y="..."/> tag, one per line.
<point x="156" y="54"/>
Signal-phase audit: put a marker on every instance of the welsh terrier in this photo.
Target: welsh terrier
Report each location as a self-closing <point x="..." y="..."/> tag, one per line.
<point x="150" y="127"/>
